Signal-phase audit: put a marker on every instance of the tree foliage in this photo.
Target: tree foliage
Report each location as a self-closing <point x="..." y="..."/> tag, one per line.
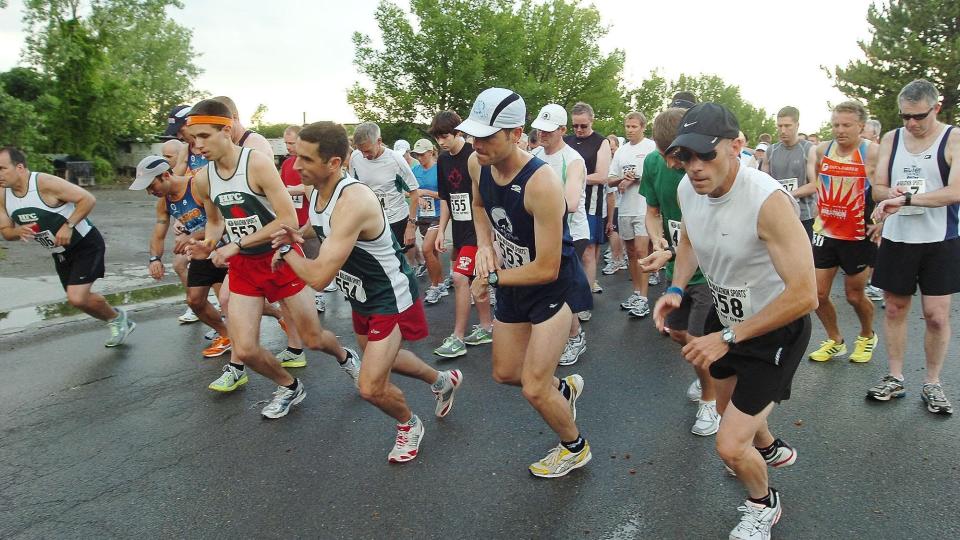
<point x="910" y="39"/>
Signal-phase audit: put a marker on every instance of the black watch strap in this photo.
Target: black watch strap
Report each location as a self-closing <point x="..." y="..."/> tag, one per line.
<point x="154" y="258"/>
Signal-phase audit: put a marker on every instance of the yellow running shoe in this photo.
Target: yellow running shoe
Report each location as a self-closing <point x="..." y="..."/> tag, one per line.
<point x="560" y="461"/>
<point x="828" y="349"/>
<point x="290" y="359"/>
<point x="231" y="379"/>
<point x="863" y="348"/>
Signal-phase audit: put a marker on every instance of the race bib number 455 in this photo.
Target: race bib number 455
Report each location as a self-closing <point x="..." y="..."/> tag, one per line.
<point x="239" y="227"/>
<point x="511" y="255"/>
<point x="732" y="303"/>
<point x="460" y="207"/>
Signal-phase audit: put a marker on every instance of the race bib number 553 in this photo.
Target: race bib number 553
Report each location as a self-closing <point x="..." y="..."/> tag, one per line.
<point x="511" y="254"/>
<point x="732" y="303"/>
<point x="239" y="227"/>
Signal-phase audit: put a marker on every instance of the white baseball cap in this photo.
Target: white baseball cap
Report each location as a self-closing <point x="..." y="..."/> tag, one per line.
<point x="401" y="146"/>
<point x="551" y="117"/>
<point x="494" y="109"/>
<point x="148" y="169"/>
<point x="762" y="146"/>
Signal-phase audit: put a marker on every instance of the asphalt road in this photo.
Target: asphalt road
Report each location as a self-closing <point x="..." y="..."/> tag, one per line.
<point x="100" y="443"/>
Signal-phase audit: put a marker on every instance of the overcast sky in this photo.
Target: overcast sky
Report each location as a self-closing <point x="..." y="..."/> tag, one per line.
<point x="296" y="56"/>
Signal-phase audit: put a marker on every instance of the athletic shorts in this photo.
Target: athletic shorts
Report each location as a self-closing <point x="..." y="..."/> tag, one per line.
<point x="203" y="273"/>
<point x="934" y="266"/>
<point x="579" y="246"/>
<point x="251" y="275"/>
<point x="808" y="226"/>
<point x="83" y="262"/>
<point x="424" y="224"/>
<point x="412" y="322"/>
<point x="598" y="229"/>
<point x="852" y="256"/>
<point x="464" y="259"/>
<point x="691" y="316"/>
<point x="539" y="303"/>
<point x="764" y="365"/>
<point x="631" y="227"/>
<point x="399" y="228"/>
<point x="616" y="220"/>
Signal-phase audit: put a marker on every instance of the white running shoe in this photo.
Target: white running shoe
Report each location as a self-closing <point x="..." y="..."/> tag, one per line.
<point x="575" y="383"/>
<point x="611" y="268"/>
<point x="188" y="317"/>
<point x="585" y="315"/>
<point x="708" y="420"/>
<point x="433" y="295"/>
<point x="454" y="378"/>
<point x="283" y="399"/>
<point x="211" y="335"/>
<point x="630" y="301"/>
<point x="640" y="309"/>
<point x="352" y="366"/>
<point x="407" y="444"/>
<point x="694" y="391"/>
<point x="654" y="278"/>
<point x="757" y="519"/>
<point x="575" y="347"/>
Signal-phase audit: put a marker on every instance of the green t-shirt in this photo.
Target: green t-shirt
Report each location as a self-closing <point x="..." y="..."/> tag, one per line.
<point x="659" y="187"/>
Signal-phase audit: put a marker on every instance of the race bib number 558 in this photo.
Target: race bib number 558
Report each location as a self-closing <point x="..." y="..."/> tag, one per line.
<point x="732" y="303"/>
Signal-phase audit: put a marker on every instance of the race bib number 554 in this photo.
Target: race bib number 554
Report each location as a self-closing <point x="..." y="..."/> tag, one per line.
<point x="351" y="286"/>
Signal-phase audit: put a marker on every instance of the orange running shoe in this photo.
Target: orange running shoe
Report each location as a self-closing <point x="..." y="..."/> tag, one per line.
<point x="220" y="346"/>
<point x="283" y="326"/>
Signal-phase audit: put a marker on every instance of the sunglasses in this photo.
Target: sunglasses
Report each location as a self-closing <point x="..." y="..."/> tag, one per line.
<point x="581" y="126"/>
<point x="918" y="117"/>
<point x="686" y="156"/>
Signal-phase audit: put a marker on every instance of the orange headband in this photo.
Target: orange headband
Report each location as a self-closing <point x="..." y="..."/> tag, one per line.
<point x="215" y="120"/>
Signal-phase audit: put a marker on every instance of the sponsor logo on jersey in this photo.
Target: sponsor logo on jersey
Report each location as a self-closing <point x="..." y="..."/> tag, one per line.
<point x="29" y="217"/>
<point x="230" y="198"/>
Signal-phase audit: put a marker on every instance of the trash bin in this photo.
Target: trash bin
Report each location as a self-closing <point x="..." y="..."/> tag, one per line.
<point x="80" y="173"/>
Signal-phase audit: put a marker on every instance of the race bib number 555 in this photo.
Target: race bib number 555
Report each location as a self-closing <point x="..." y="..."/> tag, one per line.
<point x="732" y="303"/>
<point x="460" y="207"/>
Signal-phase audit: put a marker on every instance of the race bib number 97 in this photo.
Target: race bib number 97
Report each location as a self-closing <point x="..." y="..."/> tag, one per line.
<point x="460" y="207"/>
<point x="732" y="303"/>
<point x="237" y="228"/>
<point x="351" y="286"/>
<point x="789" y="184"/>
<point x="511" y="254"/>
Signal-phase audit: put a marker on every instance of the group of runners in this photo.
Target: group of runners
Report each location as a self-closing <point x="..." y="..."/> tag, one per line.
<point x="750" y="242"/>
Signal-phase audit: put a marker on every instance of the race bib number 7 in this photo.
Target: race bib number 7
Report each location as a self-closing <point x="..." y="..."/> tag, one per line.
<point x="915" y="186"/>
<point x="460" y="207"/>
<point x="237" y="228"/>
<point x="351" y="286"/>
<point x="511" y="254"/>
<point x="732" y="303"/>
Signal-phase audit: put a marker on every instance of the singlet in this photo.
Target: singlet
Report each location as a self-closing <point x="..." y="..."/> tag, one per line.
<point x="576" y="221"/>
<point x="789" y="166"/>
<point x="843" y="194"/>
<point x="921" y="172"/>
<point x="723" y="232"/>
<point x="513" y="227"/>
<point x="427" y="179"/>
<point x="455" y="187"/>
<point x="195" y="162"/>
<point x="375" y="278"/>
<point x="390" y="178"/>
<point x="588" y="148"/>
<point x="244" y="211"/>
<point x="30" y="209"/>
<point x="243" y="138"/>
<point x="187" y="210"/>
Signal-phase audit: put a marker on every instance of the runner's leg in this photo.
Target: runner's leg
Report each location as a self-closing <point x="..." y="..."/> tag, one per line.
<point x="243" y="324"/>
<point x="826" y="311"/>
<point x="91" y="303"/>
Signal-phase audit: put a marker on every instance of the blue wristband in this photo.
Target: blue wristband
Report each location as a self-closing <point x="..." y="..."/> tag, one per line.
<point x="675" y="290"/>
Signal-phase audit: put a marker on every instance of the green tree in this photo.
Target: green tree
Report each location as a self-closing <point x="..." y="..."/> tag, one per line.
<point x="452" y="49"/>
<point x="753" y="120"/>
<point x="256" y="119"/>
<point x="911" y="39"/>
<point x="20" y="122"/>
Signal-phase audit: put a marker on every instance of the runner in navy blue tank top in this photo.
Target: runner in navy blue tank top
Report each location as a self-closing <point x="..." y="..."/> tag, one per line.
<point x="524" y="249"/>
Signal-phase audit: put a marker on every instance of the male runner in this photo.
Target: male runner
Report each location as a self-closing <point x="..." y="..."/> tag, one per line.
<point x="48" y="210"/>
<point x="520" y="201"/>
<point x="456" y="208"/>
<point x="360" y="252"/>
<point x="241" y="189"/>
<point x="568" y="164"/>
<point x="841" y="236"/>
<point x="737" y="227"/>
<point x="872" y="130"/>
<point x="175" y="199"/>
<point x="170" y="150"/>
<point x="791" y="161"/>
<point x="918" y="191"/>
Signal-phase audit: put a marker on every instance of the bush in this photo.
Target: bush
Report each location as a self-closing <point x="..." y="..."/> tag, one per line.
<point x="103" y="171"/>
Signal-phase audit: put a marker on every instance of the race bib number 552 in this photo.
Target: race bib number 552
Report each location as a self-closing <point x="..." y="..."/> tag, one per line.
<point x="732" y="303"/>
<point x="239" y="227"/>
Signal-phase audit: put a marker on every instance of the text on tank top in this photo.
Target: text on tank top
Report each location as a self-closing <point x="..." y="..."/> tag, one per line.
<point x="843" y="194"/>
<point x="187" y="210"/>
<point x="31" y="211"/>
<point x="244" y="211"/>
<point x="375" y="278"/>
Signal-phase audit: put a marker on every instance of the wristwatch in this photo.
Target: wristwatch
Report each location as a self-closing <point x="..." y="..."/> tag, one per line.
<point x="237" y="242"/>
<point x="728" y="336"/>
<point x="493" y="279"/>
<point x="70" y="225"/>
<point x="284" y="249"/>
<point x="154" y="258"/>
<point x="906" y="198"/>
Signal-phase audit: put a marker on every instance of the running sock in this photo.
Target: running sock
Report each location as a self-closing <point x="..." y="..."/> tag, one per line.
<point x="766" y="501"/>
<point x="346" y="352"/>
<point x="295" y="351"/>
<point x="293" y="386"/>
<point x="575" y="445"/>
<point x="564" y="389"/>
<point x="767" y="451"/>
<point x="238" y="367"/>
<point x="441" y="382"/>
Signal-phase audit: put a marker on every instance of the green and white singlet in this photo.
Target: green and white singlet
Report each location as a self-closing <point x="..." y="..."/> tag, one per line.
<point x="31" y="209"/>
<point x="375" y="278"/>
<point x="244" y="211"/>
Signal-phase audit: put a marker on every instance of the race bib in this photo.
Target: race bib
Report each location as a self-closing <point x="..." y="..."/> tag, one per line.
<point x="351" y="286"/>
<point x="48" y="240"/>
<point x="511" y="254"/>
<point x="732" y="303"/>
<point x="382" y="197"/>
<point x="674" y="232"/>
<point x="237" y="228"/>
<point x="460" y="207"/>
<point x="297" y="201"/>
<point x="790" y="184"/>
<point x="915" y="186"/>
<point x="817" y="240"/>
<point x="427" y="205"/>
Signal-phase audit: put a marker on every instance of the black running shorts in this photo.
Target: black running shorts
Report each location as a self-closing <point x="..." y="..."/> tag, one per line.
<point x="84" y="262"/>
<point x="696" y="306"/>
<point x="852" y="256"/>
<point x="203" y="273"/>
<point x="934" y="266"/>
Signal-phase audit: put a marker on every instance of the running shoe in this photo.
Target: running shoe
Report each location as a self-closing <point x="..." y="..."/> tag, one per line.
<point x="331" y="287"/>
<point x="654" y="278"/>
<point x="640" y="310"/>
<point x="757" y="519"/>
<point x="211" y="335"/>
<point x="782" y="455"/>
<point x="432" y="295"/>
<point x="283" y="399"/>
<point x="828" y="350"/>
<point x="708" y="420"/>
<point x="611" y="268"/>
<point x="288" y="358"/>
<point x="873" y="293"/>
<point x="624" y="264"/>
<point x="575" y="384"/>
<point x="451" y="382"/>
<point x="863" y="348"/>
<point x="479" y="336"/>
<point x="694" y="391"/>
<point x="888" y="387"/>
<point x="407" y="444"/>
<point x="560" y="461"/>
<point x="585" y="315"/>
<point x="231" y="379"/>
<point x="219" y="347"/>
<point x="421" y="270"/>
<point x="597" y="289"/>
<point x="320" y="302"/>
<point x="120" y="327"/>
<point x="352" y="366"/>
<point x="448" y="281"/>
<point x="630" y="301"/>
<point x="188" y="317"/>
<point x="607" y="255"/>
<point x="452" y="347"/>
<point x="937" y="402"/>
<point x="575" y="347"/>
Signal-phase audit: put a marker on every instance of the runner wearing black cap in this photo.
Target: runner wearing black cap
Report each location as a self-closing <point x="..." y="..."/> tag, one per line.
<point x="757" y="262"/>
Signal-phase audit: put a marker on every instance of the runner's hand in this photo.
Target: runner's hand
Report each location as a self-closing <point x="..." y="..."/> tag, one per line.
<point x="410" y="235"/>
<point x="663" y="307"/>
<point x="64" y="235"/>
<point x="222" y="255"/>
<point x="484" y="262"/>
<point x="276" y="261"/>
<point x="655" y="261"/>
<point x="285" y="235"/>
<point x="662" y="244"/>
<point x="480" y="289"/>
<point x="180" y="243"/>
<point x="440" y="244"/>
<point x="156" y="270"/>
<point x="198" y="249"/>
<point x="874" y="232"/>
<point x="27" y="233"/>
<point x="887" y="208"/>
<point x="705" y="350"/>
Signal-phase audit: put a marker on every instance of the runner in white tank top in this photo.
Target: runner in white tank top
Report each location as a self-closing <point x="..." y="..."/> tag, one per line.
<point x="743" y="230"/>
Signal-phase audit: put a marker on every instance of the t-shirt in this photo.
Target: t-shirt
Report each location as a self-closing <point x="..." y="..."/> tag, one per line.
<point x="291" y="177"/>
<point x="455" y="187"/>
<point x="789" y="166"/>
<point x="577" y="221"/>
<point x="427" y="179"/>
<point x="390" y="178"/>
<point x="659" y="187"/>
<point x="631" y="156"/>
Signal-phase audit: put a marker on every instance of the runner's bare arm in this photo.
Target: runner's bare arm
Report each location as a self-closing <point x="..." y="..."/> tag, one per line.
<point x="259" y="143"/>
<point x="307" y="230"/>
<point x="600" y="174"/>
<point x="159" y="229"/>
<point x="441" y="242"/>
<point x="654" y="223"/>
<point x="576" y="180"/>
<point x="8" y="228"/>
<point x="880" y="182"/>
<point x="57" y="188"/>
<point x="485" y="261"/>
<point x="813" y="178"/>
<point x="183" y="156"/>
<point x="792" y="259"/>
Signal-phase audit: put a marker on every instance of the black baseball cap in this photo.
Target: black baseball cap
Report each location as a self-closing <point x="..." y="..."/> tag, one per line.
<point x="704" y="126"/>
<point x="176" y="120"/>
<point x="684" y="100"/>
